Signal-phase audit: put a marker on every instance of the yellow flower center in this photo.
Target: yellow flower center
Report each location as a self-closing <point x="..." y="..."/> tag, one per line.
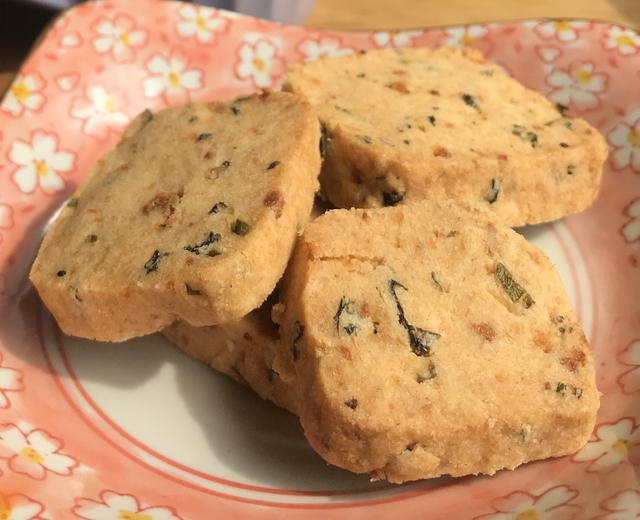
<point x="5" y="513"/>
<point x="634" y="138"/>
<point x="562" y="25"/>
<point x="624" y="40"/>
<point x="621" y="446"/>
<point x="43" y="170"/>
<point x="529" y="514"/>
<point x="174" y="80"/>
<point x="110" y="106"/>
<point x="201" y="22"/>
<point x="125" y="39"/>
<point x="30" y="454"/>
<point x="466" y="40"/>
<point x="583" y="76"/>
<point x="129" y="515"/>
<point x="20" y="91"/>
<point x="259" y="64"/>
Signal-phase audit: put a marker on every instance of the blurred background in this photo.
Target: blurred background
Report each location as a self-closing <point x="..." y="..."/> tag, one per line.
<point x="22" y="21"/>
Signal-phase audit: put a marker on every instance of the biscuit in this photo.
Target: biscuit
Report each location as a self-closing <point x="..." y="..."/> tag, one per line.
<point x="243" y="349"/>
<point x="407" y="125"/>
<point x="424" y="340"/>
<point x="192" y="216"/>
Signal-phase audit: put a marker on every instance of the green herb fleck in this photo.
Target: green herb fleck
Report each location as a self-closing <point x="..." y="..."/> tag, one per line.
<point x="487" y="72"/>
<point x="525" y="134"/>
<point x="351" y="403"/>
<point x="152" y="264"/>
<point x="564" y="145"/>
<point x="191" y="291"/>
<point x="240" y="227"/>
<point x="323" y="140"/>
<point x="532" y="137"/>
<point x="197" y="249"/>
<point x="406" y="141"/>
<point x="61" y="273"/>
<point x="204" y="136"/>
<point x="73" y="202"/>
<point x="213" y="252"/>
<point x="561" y="108"/>
<point x="513" y="288"/>
<point x="342" y="109"/>
<point x="565" y="388"/>
<point x="361" y="75"/>
<point x="391" y="198"/>
<point x="494" y="191"/>
<point x="431" y="373"/>
<point x="346" y="316"/>
<point x="432" y="120"/>
<point x="92" y="238"/>
<point x="272" y="165"/>
<point x="571" y="169"/>
<point x="217" y="207"/>
<point x="365" y="139"/>
<point x="420" y="340"/>
<point x="235" y="110"/>
<point x="298" y="332"/>
<point x="470" y="101"/>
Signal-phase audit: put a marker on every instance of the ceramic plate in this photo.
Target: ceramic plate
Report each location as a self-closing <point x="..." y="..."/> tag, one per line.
<point x="138" y="431"/>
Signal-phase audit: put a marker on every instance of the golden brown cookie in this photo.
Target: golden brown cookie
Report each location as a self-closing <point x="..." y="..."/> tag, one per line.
<point x="407" y="125"/>
<point x="425" y="340"/>
<point x="192" y="216"/>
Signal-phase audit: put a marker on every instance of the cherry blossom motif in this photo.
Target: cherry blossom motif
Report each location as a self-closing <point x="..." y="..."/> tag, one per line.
<point x="610" y="446"/>
<point x="67" y="82"/>
<point x="563" y="30"/>
<point x="34" y="453"/>
<point x="10" y="381"/>
<point x="118" y="36"/>
<point x="624" y="505"/>
<point x="395" y="39"/>
<point x="100" y="112"/>
<point x="579" y="86"/>
<point x="629" y="381"/>
<point x="25" y="93"/>
<point x="626" y="41"/>
<point x="314" y="48"/>
<point x="625" y="139"/>
<point x="170" y="78"/>
<point x="114" y="506"/>
<point x="259" y="61"/>
<point x="71" y="40"/>
<point x="552" y="504"/>
<point x="464" y="36"/>
<point x="39" y="163"/>
<point x="203" y="23"/>
<point x="20" y="507"/>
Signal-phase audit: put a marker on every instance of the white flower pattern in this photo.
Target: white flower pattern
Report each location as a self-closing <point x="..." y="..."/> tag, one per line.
<point x="610" y="446"/>
<point x="170" y="77"/>
<point x="118" y="36"/>
<point x="564" y="30"/>
<point x="552" y="504"/>
<point x="625" y="139"/>
<point x="203" y="23"/>
<point x="625" y="41"/>
<point x="396" y="39"/>
<point x="314" y="48"/>
<point x="25" y="93"/>
<point x="34" y="453"/>
<point x="10" y="381"/>
<point x="99" y="111"/>
<point x="629" y="381"/>
<point x="580" y="86"/>
<point x="20" y="507"/>
<point x="624" y="505"/>
<point x="464" y="36"/>
<point x="40" y="162"/>
<point x="260" y="62"/>
<point x="116" y="506"/>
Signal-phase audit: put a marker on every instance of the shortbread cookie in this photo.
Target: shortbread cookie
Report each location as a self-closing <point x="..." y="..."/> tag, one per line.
<point x="423" y="124"/>
<point x="426" y="339"/>
<point x="243" y="349"/>
<point x="192" y="216"/>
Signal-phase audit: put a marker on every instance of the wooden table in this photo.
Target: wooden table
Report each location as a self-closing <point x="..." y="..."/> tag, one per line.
<point x="404" y="14"/>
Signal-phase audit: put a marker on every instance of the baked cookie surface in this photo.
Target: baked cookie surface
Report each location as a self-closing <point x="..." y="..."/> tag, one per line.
<point x="426" y="340"/>
<point x="413" y="124"/>
<point x="192" y="216"/>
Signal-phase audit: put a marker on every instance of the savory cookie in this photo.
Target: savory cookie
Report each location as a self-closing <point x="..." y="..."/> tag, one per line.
<point x="193" y="216"/>
<point x="434" y="124"/>
<point x="426" y="339"/>
<point x="242" y="349"/>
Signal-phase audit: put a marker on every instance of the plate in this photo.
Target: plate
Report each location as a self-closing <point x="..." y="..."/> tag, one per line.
<point x="137" y="430"/>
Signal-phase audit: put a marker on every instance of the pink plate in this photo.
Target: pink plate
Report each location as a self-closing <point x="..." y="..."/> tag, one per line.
<point x="139" y="431"/>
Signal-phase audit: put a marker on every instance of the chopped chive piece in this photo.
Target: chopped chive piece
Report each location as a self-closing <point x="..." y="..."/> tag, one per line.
<point x="391" y="198"/>
<point x="494" y="191"/>
<point x="197" y="249"/>
<point x="204" y="136"/>
<point x="152" y="264"/>
<point x="217" y="207"/>
<point x="273" y="165"/>
<point x="61" y="273"/>
<point x="240" y="227"/>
